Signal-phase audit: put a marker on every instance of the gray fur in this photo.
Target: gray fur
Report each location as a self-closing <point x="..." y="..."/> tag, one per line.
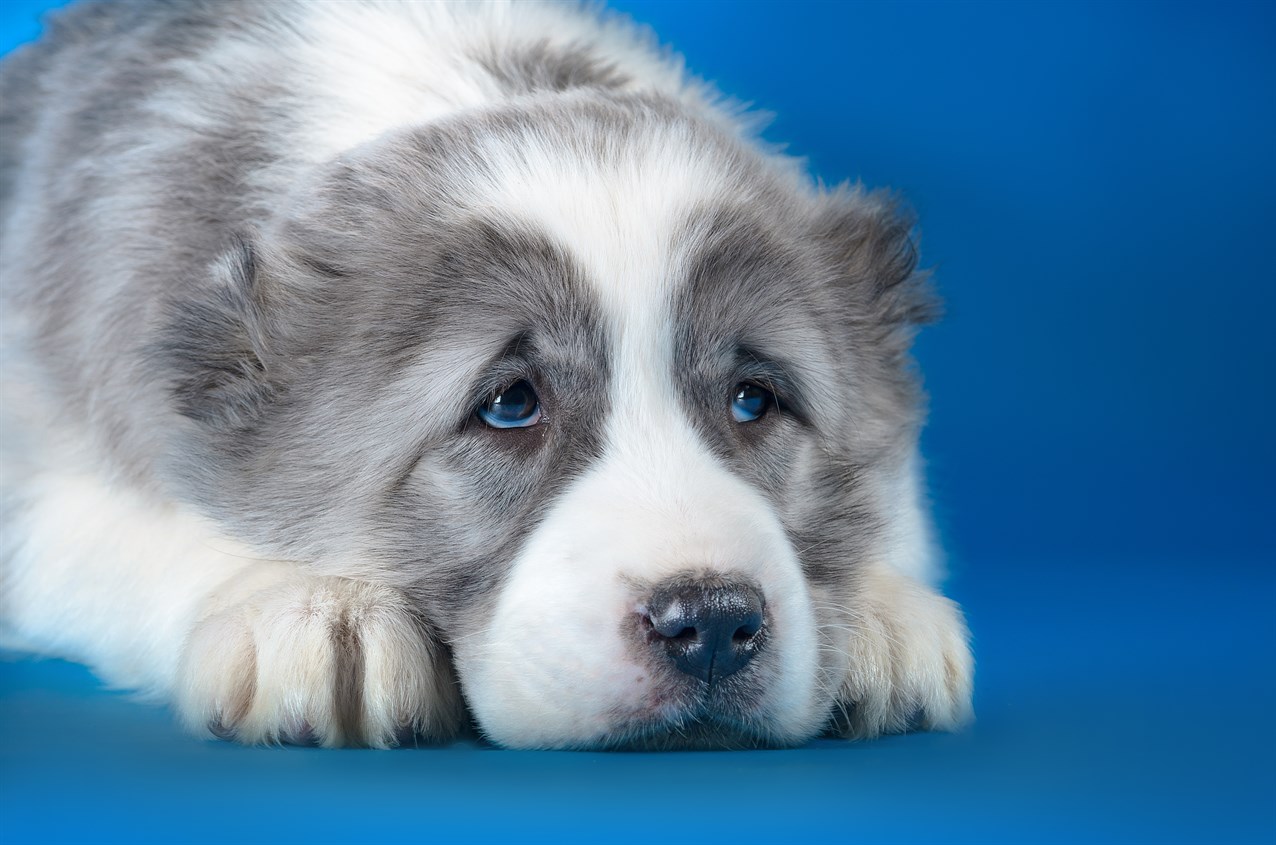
<point x="544" y="67"/>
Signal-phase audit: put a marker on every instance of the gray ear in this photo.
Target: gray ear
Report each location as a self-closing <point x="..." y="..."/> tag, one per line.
<point x="870" y="239"/>
<point x="215" y="345"/>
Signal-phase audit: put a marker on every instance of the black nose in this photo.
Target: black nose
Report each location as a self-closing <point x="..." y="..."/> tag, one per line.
<point x="707" y="630"/>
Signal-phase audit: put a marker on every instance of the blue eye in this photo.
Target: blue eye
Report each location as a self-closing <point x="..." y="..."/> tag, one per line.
<point x="514" y="407"/>
<point x="750" y="402"/>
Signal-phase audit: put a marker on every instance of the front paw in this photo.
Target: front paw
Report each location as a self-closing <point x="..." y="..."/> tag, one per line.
<point x="910" y="665"/>
<point x="324" y="660"/>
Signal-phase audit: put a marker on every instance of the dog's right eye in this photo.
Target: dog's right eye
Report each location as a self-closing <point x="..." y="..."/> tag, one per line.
<point x="517" y="406"/>
<point x="750" y="402"/>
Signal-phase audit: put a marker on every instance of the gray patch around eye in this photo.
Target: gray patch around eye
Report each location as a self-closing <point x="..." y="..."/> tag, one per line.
<point x="478" y="499"/>
<point x="476" y="495"/>
<point x="829" y="302"/>
<point x="744" y="311"/>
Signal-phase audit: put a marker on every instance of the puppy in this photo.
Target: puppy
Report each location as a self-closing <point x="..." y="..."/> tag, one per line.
<point x="371" y="369"/>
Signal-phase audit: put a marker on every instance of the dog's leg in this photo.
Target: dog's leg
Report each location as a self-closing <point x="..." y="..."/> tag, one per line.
<point x="909" y="657"/>
<point x="153" y="599"/>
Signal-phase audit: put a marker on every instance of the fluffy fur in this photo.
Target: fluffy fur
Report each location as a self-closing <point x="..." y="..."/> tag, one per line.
<point x="261" y="263"/>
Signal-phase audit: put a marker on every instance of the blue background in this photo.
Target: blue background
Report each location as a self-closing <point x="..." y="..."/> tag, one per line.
<point x="1097" y="192"/>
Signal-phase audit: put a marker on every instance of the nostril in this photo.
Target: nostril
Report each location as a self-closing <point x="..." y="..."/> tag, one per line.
<point x="671" y="621"/>
<point x="749" y="628"/>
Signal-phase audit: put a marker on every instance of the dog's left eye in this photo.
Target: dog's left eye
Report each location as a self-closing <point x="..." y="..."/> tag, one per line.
<point x="517" y="406"/>
<point x="750" y="402"/>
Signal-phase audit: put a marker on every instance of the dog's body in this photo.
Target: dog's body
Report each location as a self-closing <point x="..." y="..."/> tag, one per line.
<point x="263" y="262"/>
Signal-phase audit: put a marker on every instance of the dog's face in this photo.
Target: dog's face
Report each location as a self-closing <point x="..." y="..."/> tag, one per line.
<point x="622" y="405"/>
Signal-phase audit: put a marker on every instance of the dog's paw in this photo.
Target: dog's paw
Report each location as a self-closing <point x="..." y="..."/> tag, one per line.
<point x="317" y="660"/>
<point x="910" y="665"/>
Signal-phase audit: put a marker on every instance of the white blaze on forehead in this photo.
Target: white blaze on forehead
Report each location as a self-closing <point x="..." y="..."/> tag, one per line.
<point x="616" y="218"/>
<point x="618" y="221"/>
<point x="555" y="666"/>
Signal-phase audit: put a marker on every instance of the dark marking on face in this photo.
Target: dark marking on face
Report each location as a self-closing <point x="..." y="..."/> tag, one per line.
<point x="749" y="309"/>
<point x="477" y="493"/>
<point x="784" y="302"/>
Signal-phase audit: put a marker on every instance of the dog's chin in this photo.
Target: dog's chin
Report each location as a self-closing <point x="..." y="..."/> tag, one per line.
<point x="700" y="729"/>
<point x="692" y="716"/>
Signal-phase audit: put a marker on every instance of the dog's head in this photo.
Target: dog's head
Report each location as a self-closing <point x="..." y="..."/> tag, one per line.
<point x="624" y="404"/>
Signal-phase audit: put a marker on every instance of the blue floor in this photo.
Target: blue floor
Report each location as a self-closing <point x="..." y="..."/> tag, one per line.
<point x="1137" y="712"/>
<point x="1097" y="195"/>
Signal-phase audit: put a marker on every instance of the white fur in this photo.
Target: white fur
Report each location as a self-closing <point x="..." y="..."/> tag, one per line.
<point x="98" y="573"/>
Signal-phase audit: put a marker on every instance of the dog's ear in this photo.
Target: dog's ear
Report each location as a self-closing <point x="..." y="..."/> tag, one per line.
<point x="216" y="345"/>
<point x="869" y="238"/>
